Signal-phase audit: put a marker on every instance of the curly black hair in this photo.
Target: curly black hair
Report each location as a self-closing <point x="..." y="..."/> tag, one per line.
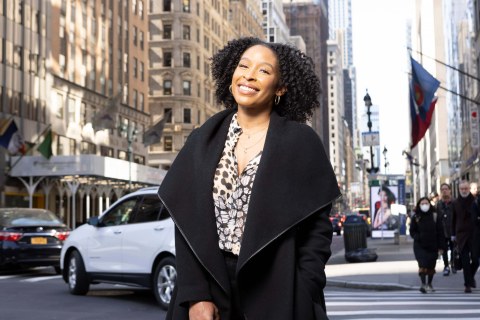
<point x="297" y="74"/>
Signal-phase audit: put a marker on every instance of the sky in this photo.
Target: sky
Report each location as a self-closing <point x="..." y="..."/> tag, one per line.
<point x="380" y="57"/>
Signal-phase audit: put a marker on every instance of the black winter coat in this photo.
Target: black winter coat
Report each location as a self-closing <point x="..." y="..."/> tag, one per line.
<point x="426" y="229"/>
<point x="444" y="210"/>
<point x="287" y="237"/>
<point x="464" y="220"/>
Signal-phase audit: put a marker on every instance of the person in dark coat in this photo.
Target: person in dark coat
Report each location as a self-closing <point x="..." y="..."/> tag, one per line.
<point x="250" y="194"/>
<point x="463" y="233"/>
<point x="428" y="241"/>
<point x="444" y="210"/>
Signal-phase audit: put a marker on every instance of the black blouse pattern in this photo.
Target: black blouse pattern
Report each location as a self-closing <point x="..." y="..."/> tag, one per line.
<point x="231" y="192"/>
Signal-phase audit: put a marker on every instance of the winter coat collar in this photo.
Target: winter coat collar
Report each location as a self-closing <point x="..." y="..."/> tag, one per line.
<point x="294" y="180"/>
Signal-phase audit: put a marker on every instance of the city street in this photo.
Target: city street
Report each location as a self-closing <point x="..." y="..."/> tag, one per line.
<point x="43" y="292"/>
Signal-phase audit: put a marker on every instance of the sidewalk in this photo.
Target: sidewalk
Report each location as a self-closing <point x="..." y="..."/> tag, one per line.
<point x="395" y="269"/>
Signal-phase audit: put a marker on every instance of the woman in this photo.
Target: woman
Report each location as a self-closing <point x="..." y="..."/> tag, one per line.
<point x="383" y="214"/>
<point x="250" y="194"/>
<point x="427" y="231"/>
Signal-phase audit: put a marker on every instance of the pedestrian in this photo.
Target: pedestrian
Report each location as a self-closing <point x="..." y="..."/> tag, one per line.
<point x="250" y="193"/>
<point x="444" y="210"/>
<point x="428" y="241"/>
<point x="463" y="233"/>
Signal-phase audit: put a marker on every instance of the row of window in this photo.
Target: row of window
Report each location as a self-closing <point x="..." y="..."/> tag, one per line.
<point x="18" y="104"/>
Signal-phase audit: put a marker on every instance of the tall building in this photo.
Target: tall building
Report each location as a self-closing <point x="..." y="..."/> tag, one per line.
<point x="274" y="23"/>
<point x="184" y="35"/>
<point x="309" y="19"/>
<point x="336" y="122"/>
<point x="63" y="63"/>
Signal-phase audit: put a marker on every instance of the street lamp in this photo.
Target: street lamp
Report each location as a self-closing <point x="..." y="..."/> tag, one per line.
<point x="368" y="104"/>
<point x="131" y="133"/>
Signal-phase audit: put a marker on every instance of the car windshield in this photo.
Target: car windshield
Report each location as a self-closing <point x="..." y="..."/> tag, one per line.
<point x="28" y="217"/>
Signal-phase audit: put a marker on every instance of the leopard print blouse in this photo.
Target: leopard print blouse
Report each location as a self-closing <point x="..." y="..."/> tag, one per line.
<point x="231" y="192"/>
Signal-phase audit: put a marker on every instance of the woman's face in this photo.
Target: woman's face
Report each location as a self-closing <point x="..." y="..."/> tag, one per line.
<point x="255" y="80"/>
<point x="383" y="198"/>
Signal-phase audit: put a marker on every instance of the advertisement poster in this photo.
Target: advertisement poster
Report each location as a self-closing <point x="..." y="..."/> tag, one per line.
<point x="387" y="207"/>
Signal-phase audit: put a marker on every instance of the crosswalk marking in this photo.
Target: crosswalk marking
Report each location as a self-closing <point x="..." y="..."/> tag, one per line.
<point x="396" y="305"/>
<point x="38" y="279"/>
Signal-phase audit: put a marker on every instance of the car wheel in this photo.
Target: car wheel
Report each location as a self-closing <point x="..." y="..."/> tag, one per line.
<point x="77" y="277"/>
<point x="164" y="279"/>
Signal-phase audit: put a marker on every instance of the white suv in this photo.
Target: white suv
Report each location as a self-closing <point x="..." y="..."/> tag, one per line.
<point x="131" y="243"/>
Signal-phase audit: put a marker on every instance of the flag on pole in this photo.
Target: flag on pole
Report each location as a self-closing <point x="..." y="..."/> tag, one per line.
<point x="45" y="147"/>
<point x="106" y="117"/>
<point x="422" y="100"/>
<point x="8" y="128"/>
<point x="154" y="134"/>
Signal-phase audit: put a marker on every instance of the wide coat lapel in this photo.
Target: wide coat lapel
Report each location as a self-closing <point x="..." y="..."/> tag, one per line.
<point x="187" y="192"/>
<point x="294" y="180"/>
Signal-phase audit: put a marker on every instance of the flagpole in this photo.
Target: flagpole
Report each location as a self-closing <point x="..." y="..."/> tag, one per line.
<point x="30" y="148"/>
<point x="446" y="65"/>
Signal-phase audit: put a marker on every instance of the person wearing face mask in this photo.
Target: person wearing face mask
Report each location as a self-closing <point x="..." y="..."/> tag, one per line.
<point x="428" y="241"/>
<point x="463" y="233"/>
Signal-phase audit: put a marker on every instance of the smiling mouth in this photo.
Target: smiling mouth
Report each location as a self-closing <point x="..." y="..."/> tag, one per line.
<point x="248" y="89"/>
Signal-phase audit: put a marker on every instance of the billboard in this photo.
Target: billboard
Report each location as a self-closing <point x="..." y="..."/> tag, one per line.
<point x="387" y="206"/>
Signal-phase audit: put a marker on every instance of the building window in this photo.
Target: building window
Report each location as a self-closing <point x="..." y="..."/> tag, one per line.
<point x="138" y="159"/>
<point x="141" y="39"/>
<point x="71" y="111"/>
<point x="186" y="59"/>
<point x="135" y="67"/>
<point x="167" y="87"/>
<point x="135" y="31"/>
<point x="135" y="98"/>
<point x="60" y="106"/>
<point x="168" y="113"/>
<point x="88" y="148"/>
<point x="142" y="71"/>
<point x="106" y="151"/>
<point x="168" y="143"/>
<point x="141" y="101"/>
<point x="167" y="31"/>
<point x="167" y="5"/>
<point x="186" y="5"/>
<point x="167" y="59"/>
<point x="140" y="9"/>
<point x="122" y="155"/>
<point x="187" y="115"/>
<point x="187" y="90"/>
<point x="186" y="32"/>
<point x="66" y="146"/>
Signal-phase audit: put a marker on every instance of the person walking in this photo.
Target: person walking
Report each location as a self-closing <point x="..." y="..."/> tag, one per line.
<point x="250" y="193"/>
<point x="428" y="241"/>
<point x="463" y="233"/>
<point x="444" y="210"/>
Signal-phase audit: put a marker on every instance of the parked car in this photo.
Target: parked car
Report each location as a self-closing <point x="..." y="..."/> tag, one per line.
<point x="337" y="225"/>
<point x="131" y="243"/>
<point x="31" y="238"/>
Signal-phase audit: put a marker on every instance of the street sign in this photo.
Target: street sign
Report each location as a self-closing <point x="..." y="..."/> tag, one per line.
<point x="371" y="139"/>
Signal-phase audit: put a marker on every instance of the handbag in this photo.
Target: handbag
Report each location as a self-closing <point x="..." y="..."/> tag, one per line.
<point x="456" y="259"/>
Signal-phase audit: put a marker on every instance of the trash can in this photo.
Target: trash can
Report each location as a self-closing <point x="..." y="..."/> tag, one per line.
<point x="354" y="233"/>
<point x="355" y="240"/>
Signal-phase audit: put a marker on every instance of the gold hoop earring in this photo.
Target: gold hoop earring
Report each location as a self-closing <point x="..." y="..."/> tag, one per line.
<point x="230" y="89"/>
<point x="277" y="100"/>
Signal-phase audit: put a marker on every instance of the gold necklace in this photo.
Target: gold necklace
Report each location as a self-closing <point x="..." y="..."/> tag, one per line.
<point x="249" y="135"/>
<point x="245" y="149"/>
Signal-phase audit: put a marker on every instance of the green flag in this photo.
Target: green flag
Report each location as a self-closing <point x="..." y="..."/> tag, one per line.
<point x="45" y="148"/>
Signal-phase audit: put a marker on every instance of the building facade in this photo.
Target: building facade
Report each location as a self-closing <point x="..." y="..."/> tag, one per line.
<point x="63" y="63"/>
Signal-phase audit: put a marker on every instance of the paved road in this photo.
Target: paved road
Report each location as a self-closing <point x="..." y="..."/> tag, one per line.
<point x="41" y="295"/>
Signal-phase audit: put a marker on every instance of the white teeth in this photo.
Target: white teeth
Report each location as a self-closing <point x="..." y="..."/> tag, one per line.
<point x="247" y="88"/>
